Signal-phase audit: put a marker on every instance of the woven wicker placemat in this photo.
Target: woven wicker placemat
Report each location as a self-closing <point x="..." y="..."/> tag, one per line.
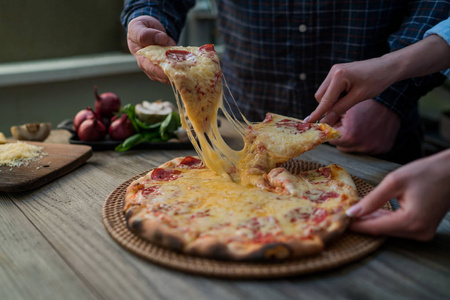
<point x="349" y="248"/>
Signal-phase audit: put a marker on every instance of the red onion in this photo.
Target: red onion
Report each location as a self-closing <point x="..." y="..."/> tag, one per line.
<point x="121" y="128"/>
<point x="91" y="130"/>
<point x="82" y="115"/>
<point x="105" y="120"/>
<point x="106" y="104"/>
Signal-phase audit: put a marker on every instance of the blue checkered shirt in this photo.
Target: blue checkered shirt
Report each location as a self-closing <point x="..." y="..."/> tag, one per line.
<point x="277" y="53"/>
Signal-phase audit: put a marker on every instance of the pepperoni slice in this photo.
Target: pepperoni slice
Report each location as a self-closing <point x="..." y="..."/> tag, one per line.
<point x="165" y="174"/>
<point x="191" y="162"/>
<point x="297" y="125"/>
<point x="152" y="190"/>
<point x="319" y="215"/>
<point x="319" y="196"/>
<point x="178" y="55"/>
<point x="326" y="172"/>
<point x="268" y="118"/>
<point x="207" y="48"/>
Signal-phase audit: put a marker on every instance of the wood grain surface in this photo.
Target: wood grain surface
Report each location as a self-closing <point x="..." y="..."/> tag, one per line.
<point x="53" y="245"/>
<point x="55" y="161"/>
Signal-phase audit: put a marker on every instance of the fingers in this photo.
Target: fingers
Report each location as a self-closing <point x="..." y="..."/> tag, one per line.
<point x="152" y="71"/>
<point x="146" y="31"/>
<point x="328" y="96"/>
<point x="388" y="189"/>
<point x="324" y="106"/>
<point x="381" y="222"/>
<point x="399" y="223"/>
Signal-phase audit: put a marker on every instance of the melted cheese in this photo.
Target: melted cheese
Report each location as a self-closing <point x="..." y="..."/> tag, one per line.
<point x="202" y="201"/>
<point x="196" y="78"/>
<point x="199" y="203"/>
<point x="17" y="154"/>
<point x="258" y="205"/>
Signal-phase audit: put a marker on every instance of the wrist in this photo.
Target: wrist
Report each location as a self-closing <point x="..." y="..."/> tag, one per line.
<point x="398" y="66"/>
<point x="394" y="69"/>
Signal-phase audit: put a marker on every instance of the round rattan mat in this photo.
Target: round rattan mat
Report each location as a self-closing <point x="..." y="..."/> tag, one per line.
<point x="349" y="248"/>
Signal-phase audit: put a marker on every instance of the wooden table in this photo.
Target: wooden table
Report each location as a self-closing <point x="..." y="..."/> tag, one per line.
<point x="53" y="245"/>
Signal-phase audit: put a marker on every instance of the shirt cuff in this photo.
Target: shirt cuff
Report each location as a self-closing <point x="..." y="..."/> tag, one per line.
<point x="443" y="30"/>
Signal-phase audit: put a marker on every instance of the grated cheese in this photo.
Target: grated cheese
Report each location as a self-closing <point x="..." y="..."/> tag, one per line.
<point x="17" y="154"/>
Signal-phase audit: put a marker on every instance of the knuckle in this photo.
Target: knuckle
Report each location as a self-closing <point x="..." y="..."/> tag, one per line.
<point x="393" y="179"/>
<point x="141" y="38"/>
<point x="337" y="69"/>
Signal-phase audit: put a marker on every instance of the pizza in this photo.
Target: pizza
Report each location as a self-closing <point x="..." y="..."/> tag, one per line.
<point x="196" y="76"/>
<point x="184" y="206"/>
<point x="196" y="73"/>
<point x="236" y="204"/>
<point x="274" y="141"/>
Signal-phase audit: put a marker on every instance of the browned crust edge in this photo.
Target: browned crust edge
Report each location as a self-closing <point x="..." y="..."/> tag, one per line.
<point x="159" y="233"/>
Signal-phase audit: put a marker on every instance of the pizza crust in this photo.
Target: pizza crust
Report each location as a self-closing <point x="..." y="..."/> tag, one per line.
<point x="166" y="234"/>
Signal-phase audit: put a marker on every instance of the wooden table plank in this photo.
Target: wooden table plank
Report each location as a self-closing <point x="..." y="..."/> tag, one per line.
<point x="65" y="218"/>
<point x="29" y="264"/>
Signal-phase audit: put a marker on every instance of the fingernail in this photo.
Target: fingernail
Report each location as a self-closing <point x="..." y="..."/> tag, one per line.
<point x="306" y="120"/>
<point x="354" y="210"/>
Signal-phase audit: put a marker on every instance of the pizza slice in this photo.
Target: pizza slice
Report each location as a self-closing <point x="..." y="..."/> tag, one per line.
<point x="276" y="140"/>
<point x="196" y="74"/>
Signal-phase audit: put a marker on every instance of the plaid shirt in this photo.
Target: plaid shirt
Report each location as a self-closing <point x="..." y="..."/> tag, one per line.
<point x="277" y="53"/>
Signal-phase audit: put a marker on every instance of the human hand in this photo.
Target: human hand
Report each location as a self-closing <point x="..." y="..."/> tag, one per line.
<point x="359" y="81"/>
<point x="421" y="188"/>
<point x="369" y="127"/>
<point x="144" y="31"/>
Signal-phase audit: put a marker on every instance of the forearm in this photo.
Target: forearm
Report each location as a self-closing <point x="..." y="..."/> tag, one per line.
<point x="427" y="56"/>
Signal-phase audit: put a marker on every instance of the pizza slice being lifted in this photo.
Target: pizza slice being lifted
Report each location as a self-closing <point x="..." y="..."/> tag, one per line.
<point x="196" y="75"/>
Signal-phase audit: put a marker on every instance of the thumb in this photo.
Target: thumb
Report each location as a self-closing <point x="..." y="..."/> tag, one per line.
<point x="386" y="190"/>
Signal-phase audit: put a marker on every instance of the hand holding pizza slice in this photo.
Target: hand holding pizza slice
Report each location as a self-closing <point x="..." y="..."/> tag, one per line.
<point x="229" y="204"/>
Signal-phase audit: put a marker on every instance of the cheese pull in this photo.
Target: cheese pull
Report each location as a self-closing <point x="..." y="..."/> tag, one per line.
<point x="196" y="78"/>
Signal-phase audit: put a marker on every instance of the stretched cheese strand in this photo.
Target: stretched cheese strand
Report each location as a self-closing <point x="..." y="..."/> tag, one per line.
<point x="208" y="142"/>
<point x="196" y="79"/>
<point x="197" y="82"/>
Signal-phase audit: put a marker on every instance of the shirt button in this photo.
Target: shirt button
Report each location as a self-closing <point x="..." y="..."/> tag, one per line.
<point x="302" y="28"/>
<point x="302" y="76"/>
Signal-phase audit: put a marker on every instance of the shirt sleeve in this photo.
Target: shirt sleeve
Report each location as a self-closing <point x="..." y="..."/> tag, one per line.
<point x="443" y="30"/>
<point x="171" y="14"/>
<point x="402" y="96"/>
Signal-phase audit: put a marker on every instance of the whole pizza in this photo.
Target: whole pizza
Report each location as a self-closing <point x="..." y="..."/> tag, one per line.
<point x="236" y="204"/>
<point x="186" y="207"/>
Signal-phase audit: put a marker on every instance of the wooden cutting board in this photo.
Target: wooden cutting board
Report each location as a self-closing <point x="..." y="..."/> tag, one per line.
<point x="59" y="159"/>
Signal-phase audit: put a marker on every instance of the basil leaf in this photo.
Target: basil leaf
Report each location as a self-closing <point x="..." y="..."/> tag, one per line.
<point x="147" y="126"/>
<point x="129" y="143"/>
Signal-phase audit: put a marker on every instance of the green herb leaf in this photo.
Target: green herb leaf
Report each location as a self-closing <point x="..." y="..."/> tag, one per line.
<point x="169" y="125"/>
